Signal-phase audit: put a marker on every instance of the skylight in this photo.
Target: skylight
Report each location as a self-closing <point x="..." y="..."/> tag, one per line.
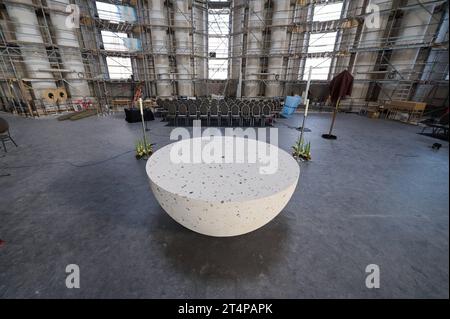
<point x="327" y="12"/>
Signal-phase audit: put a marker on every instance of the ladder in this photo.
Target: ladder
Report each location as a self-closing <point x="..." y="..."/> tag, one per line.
<point x="402" y="91"/>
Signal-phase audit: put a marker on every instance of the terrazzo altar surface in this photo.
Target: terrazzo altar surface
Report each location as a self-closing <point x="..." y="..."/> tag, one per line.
<point x="224" y="181"/>
<point x="244" y="190"/>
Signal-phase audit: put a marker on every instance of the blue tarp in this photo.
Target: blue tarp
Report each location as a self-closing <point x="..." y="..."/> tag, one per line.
<point x="290" y="105"/>
<point x="132" y="44"/>
<point x="127" y="13"/>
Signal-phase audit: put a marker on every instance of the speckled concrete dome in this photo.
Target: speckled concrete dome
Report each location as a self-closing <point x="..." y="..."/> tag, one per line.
<point x="223" y="199"/>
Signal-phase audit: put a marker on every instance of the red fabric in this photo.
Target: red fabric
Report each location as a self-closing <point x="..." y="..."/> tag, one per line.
<point x="341" y="86"/>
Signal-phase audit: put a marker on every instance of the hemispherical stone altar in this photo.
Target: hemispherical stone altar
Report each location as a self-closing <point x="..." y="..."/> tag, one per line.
<point x="225" y="192"/>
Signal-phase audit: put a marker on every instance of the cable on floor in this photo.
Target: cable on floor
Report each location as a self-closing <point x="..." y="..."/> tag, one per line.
<point x="70" y="163"/>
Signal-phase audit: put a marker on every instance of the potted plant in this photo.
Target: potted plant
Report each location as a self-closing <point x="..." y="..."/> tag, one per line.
<point x="143" y="149"/>
<point x="302" y="151"/>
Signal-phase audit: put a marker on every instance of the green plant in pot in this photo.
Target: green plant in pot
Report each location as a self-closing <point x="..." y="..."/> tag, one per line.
<point x="143" y="149"/>
<point x="302" y="151"/>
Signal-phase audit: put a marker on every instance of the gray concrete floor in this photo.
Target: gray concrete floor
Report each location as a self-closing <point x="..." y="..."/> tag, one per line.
<point x="76" y="194"/>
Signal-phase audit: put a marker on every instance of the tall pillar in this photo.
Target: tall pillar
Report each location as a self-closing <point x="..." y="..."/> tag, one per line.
<point x="158" y="19"/>
<point x="183" y="48"/>
<point x="27" y="30"/>
<point x="279" y="46"/>
<point x="69" y="48"/>
<point x="254" y="47"/>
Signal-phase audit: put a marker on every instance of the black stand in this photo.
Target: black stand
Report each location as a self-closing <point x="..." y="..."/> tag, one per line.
<point x="330" y="136"/>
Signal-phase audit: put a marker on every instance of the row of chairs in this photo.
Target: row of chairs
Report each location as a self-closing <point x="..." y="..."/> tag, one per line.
<point x="244" y="112"/>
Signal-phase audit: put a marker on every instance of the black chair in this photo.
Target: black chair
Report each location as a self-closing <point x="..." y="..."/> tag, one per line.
<point x="256" y="114"/>
<point x="203" y="112"/>
<point x="224" y="112"/>
<point x="182" y="112"/>
<point x="213" y="114"/>
<point x="245" y="114"/>
<point x="162" y="108"/>
<point x="266" y="114"/>
<point x="276" y="107"/>
<point x="235" y="114"/>
<point x="192" y="111"/>
<point x="171" y="112"/>
<point x="5" y="135"/>
<point x="439" y="126"/>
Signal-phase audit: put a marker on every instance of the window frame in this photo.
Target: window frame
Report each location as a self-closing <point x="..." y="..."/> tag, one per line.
<point x="218" y="70"/>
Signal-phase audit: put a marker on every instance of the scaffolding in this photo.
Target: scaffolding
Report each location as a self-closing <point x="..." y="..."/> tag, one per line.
<point x="270" y="44"/>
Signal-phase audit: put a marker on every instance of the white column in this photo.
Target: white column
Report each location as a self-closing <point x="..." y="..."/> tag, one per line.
<point x="158" y="19"/>
<point x="69" y="48"/>
<point x="183" y="47"/>
<point x="32" y="45"/>
<point x="278" y="45"/>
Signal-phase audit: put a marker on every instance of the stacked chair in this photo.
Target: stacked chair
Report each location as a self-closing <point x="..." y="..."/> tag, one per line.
<point x="218" y="112"/>
<point x="4" y="133"/>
